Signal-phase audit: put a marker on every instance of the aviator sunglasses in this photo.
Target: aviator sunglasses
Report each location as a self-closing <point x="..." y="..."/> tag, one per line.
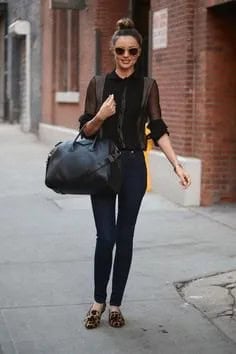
<point x="131" y="51"/>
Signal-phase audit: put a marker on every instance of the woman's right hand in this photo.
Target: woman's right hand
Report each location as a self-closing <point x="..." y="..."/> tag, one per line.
<point x="108" y="108"/>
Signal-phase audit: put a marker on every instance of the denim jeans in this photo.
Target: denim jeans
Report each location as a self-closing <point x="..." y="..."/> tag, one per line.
<point x="117" y="228"/>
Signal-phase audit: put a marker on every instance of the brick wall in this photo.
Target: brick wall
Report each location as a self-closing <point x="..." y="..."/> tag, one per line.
<point x="107" y="14"/>
<point x="101" y="16"/>
<point x="215" y="105"/>
<point x="47" y="62"/>
<point x="197" y="80"/>
<point x="87" y="54"/>
<point x="62" y="114"/>
<point x="173" y="69"/>
<point x="94" y="17"/>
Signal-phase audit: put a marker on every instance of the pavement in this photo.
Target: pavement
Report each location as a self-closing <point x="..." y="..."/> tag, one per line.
<point x="180" y="297"/>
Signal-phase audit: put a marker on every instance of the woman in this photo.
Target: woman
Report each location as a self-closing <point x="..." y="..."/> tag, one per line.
<point x="122" y="118"/>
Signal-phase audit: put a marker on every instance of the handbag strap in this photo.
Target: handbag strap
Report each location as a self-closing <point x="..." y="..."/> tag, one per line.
<point x="148" y="82"/>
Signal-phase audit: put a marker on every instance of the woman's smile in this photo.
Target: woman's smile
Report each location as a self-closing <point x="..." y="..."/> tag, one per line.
<point x="125" y="61"/>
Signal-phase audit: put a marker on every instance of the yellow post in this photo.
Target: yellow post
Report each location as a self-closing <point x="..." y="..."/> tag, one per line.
<point x="146" y="154"/>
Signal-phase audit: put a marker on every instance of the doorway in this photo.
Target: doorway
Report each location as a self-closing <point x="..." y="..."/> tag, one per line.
<point x="140" y="15"/>
<point x="221" y="95"/>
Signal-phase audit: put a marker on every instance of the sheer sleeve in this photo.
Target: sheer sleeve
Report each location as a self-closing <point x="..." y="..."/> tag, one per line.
<point x="90" y="103"/>
<point x="156" y="124"/>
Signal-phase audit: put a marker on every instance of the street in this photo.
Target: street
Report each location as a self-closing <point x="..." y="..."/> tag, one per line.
<point x="46" y="267"/>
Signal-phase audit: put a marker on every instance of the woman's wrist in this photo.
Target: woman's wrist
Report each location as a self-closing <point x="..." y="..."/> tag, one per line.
<point x="99" y="118"/>
<point x="176" y="166"/>
<point x="92" y="126"/>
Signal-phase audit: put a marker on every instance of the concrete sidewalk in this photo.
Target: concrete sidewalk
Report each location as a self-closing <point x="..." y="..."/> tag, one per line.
<point x="46" y="269"/>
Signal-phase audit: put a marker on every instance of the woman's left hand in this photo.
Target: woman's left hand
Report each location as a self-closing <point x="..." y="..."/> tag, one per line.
<point x="184" y="177"/>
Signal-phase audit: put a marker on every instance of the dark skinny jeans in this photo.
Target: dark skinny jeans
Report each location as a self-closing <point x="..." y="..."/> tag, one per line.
<point x="118" y="229"/>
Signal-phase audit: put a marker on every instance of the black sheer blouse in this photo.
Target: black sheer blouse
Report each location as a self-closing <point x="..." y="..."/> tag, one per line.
<point x="122" y="126"/>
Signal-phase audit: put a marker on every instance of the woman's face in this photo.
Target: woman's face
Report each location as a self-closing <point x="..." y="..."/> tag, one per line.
<point x="126" y="51"/>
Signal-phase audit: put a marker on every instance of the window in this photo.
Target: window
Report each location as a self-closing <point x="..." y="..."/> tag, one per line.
<point x="67" y="52"/>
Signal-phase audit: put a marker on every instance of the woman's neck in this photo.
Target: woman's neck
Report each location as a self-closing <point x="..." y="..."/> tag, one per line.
<point x="124" y="73"/>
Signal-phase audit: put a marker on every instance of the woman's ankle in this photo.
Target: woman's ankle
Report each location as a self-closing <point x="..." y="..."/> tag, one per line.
<point x="114" y="308"/>
<point x="98" y="306"/>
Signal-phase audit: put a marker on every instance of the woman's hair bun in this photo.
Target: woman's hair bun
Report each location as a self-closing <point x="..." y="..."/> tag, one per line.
<point x="126" y="27"/>
<point x="125" y="23"/>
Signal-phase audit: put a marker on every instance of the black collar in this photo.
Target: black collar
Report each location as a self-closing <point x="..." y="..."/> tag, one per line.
<point x="113" y="75"/>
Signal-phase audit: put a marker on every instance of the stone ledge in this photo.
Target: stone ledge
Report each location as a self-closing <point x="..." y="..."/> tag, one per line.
<point x="51" y="134"/>
<point x="165" y="182"/>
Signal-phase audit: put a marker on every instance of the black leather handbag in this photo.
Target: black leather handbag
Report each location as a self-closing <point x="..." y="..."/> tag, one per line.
<point x="84" y="166"/>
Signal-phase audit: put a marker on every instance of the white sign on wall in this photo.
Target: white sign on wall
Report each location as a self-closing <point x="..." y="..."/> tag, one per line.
<point x="160" y="29"/>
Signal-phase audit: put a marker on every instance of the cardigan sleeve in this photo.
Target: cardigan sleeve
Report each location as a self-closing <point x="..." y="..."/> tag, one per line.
<point x="156" y="124"/>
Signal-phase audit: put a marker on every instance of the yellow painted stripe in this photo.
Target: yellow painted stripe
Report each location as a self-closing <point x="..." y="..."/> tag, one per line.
<point x="146" y="154"/>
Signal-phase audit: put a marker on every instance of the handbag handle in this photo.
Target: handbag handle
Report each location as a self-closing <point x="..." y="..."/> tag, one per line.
<point x="113" y="156"/>
<point x="79" y="135"/>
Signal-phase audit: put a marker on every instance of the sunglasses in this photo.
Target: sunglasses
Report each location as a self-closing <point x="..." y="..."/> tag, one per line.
<point x="131" y="51"/>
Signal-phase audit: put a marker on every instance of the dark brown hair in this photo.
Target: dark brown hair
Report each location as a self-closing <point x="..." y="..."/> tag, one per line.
<point x="126" y="27"/>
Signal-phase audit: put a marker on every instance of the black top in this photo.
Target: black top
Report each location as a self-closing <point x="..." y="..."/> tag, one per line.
<point x="122" y="127"/>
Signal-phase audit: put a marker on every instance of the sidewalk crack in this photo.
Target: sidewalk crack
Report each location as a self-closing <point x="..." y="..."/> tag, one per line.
<point x="231" y="313"/>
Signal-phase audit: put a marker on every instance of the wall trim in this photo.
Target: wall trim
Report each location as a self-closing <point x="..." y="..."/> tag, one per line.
<point x="51" y="134"/>
<point x="67" y="97"/>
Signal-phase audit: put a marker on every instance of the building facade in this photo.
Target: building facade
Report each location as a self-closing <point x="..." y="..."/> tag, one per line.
<point x="190" y="49"/>
<point x="196" y="72"/>
<point x="22" y="64"/>
<point x="3" y="59"/>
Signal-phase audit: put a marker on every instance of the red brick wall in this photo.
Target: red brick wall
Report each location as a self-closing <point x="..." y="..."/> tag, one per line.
<point x="52" y="112"/>
<point x="217" y="2"/>
<point x="215" y="109"/>
<point x="173" y="69"/>
<point x="201" y="132"/>
<point x="86" y="50"/>
<point x="197" y="80"/>
<point x="107" y="14"/>
<point x="101" y="15"/>
<point x="47" y="63"/>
